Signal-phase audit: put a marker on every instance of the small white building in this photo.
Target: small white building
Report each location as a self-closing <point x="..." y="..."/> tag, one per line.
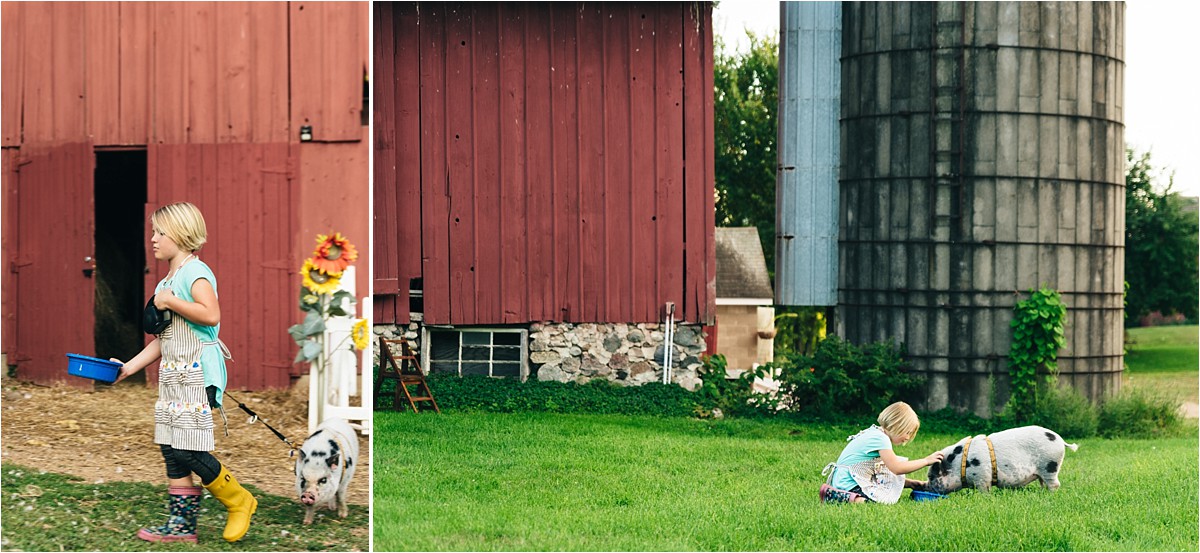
<point x="745" y="301"/>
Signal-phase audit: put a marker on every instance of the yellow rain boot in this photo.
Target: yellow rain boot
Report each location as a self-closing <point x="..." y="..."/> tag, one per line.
<point x="237" y="501"/>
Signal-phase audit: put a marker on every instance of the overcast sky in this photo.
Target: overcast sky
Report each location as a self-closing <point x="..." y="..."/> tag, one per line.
<point x="1161" y="112"/>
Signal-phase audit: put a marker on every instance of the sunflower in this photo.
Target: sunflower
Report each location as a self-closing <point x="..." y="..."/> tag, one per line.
<point x="318" y="281"/>
<point x="334" y="253"/>
<point x="360" y="335"/>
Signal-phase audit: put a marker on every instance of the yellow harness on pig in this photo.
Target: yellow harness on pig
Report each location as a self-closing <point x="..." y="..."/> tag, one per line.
<point x="991" y="452"/>
<point x="341" y="453"/>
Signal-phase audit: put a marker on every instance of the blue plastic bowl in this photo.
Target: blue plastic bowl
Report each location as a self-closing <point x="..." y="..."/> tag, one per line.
<point x="926" y="496"/>
<point x="93" y="368"/>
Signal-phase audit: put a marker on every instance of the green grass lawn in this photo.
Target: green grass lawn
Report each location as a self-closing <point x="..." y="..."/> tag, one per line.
<point x="44" y="511"/>
<point x="1164" y="360"/>
<point x="461" y="481"/>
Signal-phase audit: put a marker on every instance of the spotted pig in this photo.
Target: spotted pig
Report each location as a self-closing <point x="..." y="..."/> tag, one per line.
<point x="325" y="467"/>
<point x="1022" y="455"/>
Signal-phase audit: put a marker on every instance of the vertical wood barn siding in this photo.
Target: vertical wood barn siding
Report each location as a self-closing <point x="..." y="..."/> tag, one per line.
<point x="135" y="73"/>
<point x="329" y="97"/>
<point x="333" y="182"/>
<point x="8" y="244"/>
<point x="246" y="193"/>
<point x="12" y="55"/>
<point x="561" y="157"/>
<point x="397" y="169"/>
<point x="52" y="297"/>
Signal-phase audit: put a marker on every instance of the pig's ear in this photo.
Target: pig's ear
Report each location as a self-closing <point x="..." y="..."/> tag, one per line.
<point x="333" y="460"/>
<point x="935" y="469"/>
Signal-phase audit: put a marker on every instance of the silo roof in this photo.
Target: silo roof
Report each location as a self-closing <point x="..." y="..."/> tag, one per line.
<point x="741" y="267"/>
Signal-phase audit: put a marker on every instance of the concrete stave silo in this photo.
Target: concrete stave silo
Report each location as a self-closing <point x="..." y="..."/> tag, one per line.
<point x="982" y="155"/>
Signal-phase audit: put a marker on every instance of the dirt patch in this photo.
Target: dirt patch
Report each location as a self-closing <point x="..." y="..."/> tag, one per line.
<point x="108" y="434"/>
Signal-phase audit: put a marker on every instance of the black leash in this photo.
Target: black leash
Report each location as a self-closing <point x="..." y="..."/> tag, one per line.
<point x="255" y="418"/>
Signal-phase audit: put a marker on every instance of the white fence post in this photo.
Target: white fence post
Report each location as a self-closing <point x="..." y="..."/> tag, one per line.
<point x="331" y="386"/>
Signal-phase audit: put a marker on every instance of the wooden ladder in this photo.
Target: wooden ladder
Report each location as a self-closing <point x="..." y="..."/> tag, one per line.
<point x="405" y="373"/>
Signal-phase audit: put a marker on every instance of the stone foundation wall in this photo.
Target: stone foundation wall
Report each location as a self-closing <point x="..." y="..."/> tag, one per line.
<point x="411" y="332"/>
<point x="629" y="354"/>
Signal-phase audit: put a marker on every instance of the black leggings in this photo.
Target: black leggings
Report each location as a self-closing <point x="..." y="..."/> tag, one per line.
<point x="181" y="463"/>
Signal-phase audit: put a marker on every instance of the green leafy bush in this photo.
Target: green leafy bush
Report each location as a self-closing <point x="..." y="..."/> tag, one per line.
<point x="842" y="378"/>
<point x="950" y="421"/>
<point x="1139" y="415"/>
<point x="507" y="395"/>
<point x="1062" y="410"/>
<point x="732" y="396"/>
<point x="1037" y="325"/>
<point x="1067" y="412"/>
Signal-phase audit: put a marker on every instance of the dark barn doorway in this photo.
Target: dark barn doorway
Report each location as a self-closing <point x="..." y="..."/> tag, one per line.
<point x="120" y="192"/>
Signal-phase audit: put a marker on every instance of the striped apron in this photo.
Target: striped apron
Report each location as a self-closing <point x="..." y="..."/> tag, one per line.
<point x="183" y="418"/>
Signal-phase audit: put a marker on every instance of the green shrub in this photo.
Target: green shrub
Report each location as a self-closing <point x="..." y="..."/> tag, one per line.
<point x="1139" y="415"/>
<point x="842" y="378"/>
<point x="1067" y="412"/>
<point x="1062" y="410"/>
<point x="950" y="421"/>
<point x="733" y="396"/>
<point x="509" y="395"/>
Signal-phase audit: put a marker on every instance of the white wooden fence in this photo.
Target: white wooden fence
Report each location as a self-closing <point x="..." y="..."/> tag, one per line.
<point x="331" y="387"/>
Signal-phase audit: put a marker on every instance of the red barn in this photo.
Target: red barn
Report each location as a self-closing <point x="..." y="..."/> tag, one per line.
<point x="111" y="109"/>
<point x="544" y="176"/>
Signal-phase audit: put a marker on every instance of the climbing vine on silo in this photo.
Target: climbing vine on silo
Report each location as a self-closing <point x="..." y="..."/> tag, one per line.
<point x="1037" y="336"/>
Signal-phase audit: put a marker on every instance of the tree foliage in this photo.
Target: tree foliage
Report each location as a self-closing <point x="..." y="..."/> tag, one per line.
<point x="1160" y="245"/>
<point x="745" y="101"/>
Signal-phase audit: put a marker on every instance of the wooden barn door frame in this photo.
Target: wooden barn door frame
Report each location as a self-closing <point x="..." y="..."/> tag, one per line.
<point x="52" y="265"/>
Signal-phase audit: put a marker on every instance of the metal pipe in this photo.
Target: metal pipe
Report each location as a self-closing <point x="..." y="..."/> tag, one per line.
<point x="666" y="349"/>
<point x="668" y="342"/>
<point x="671" y="367"/>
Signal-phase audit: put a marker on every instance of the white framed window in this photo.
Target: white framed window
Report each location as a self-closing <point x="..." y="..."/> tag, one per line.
<point x="494" y="352"/>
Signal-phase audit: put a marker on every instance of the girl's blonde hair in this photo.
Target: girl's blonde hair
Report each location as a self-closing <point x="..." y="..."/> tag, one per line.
<point x="182" y="223"/>
<point x="900" y="420"/>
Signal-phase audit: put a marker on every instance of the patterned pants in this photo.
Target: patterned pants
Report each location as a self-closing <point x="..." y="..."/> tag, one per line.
<point x="830" y="494"/>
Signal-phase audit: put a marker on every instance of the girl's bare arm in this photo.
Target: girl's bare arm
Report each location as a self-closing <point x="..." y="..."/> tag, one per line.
<point x="148" y="355"/>
<point x="897" y="466"/>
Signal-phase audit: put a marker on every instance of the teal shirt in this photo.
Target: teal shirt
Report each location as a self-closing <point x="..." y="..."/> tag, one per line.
<point x="863" y="446"/>
<point x="211" y="358"/>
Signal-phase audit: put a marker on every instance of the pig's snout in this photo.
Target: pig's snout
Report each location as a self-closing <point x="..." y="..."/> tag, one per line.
<point x="308" y="498"/>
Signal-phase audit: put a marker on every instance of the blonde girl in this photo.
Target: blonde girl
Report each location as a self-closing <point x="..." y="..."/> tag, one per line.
<point x="191" y="380"/>
<point x="868" y="469"/>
